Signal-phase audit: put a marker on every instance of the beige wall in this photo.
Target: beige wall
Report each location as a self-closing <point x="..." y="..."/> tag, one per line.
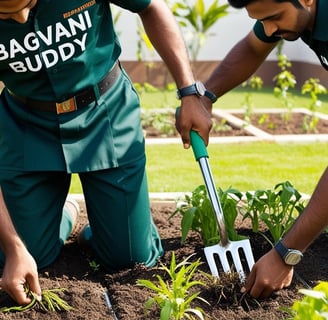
<point x="159" y="76"/>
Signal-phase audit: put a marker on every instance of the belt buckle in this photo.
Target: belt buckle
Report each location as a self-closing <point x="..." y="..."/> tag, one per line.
<point x="68" y="105"/>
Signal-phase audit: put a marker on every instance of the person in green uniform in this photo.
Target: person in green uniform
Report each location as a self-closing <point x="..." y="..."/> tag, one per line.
<point x="68" y="107"/>
<point x="276" y="20"/>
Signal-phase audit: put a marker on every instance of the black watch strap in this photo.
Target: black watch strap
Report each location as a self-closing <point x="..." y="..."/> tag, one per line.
<point x="196" y="88"/>
<point x="211" y="96"/>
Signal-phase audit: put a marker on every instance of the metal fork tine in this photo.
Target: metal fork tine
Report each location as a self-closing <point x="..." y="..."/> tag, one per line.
<point x="249" y="254"/>
<point x="233" y="248"/>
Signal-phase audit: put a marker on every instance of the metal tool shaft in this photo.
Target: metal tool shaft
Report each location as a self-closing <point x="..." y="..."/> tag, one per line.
<point x="214" y="198"/>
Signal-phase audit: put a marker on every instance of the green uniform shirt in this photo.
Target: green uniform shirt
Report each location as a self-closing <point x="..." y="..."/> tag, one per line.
<point x="317" y="40"/>
<point x="64" y="47"/>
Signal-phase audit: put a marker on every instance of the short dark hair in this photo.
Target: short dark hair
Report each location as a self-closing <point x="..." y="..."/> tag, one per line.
<point x="243" y="3"/>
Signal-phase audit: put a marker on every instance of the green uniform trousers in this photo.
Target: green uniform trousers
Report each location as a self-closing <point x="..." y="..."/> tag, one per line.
<point x="123" y="232"/>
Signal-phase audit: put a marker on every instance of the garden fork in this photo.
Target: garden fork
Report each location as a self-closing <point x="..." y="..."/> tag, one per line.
<point x="226" y="249"/>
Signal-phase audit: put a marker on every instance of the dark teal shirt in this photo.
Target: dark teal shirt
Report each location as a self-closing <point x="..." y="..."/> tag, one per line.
<point x="65" y="46"/>
<point x="317" y="40"/>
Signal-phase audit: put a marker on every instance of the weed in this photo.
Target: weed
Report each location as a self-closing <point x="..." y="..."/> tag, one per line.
<point x="50" y="301"/>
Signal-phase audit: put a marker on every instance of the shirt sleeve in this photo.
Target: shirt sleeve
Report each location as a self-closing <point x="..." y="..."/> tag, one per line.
<point x="259" y="32"/>
<point x="132" y="5"/>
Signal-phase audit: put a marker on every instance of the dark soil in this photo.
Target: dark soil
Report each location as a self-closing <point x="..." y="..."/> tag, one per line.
<point x="86" y="286"/>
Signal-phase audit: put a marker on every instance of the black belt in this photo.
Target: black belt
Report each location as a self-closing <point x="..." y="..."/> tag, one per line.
<point x="80" y="100"/>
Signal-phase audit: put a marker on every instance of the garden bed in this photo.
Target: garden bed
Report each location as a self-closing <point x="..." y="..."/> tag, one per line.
<point x="86" y="285"/>
<point x="263" y="124"/>
<point x="278" y="122"/>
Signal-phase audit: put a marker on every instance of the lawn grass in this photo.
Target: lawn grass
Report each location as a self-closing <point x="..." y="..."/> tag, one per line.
<point x="245" y="166"/>
<point x="234" y="100"/>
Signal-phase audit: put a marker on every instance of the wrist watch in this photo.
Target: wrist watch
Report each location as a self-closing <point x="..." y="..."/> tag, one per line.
<point x="196" y="88"/>
<point x="290" y="256"/>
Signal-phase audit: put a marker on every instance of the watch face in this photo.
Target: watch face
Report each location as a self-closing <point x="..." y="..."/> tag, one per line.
<point x="293" y="257"/>
<point x="200" y="88"/>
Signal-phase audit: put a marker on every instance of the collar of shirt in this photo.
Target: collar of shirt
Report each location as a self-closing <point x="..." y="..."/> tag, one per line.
<point x="320" y="31"/>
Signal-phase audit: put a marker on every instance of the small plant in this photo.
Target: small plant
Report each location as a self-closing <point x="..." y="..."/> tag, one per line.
<point x="174" y="297"/>
<point x="254" y="82"/>
<point x="313" y="87"/>
<point x="197" y="215"/>
<point x="277" y="208"/>
<point x="284" y="81"/>
<point x="162" y="122"/>
<point x="50" y="301"/>
<point x="94" y="265"/>
<point x="220" y="125"/>
<point x="314" y="305"/>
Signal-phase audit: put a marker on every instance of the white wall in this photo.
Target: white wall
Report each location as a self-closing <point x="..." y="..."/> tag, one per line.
<point x="227" y="30"/>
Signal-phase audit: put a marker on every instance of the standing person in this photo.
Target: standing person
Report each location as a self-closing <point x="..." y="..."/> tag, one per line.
<point x="69" y="107"/>
<point x="276" y="20"/>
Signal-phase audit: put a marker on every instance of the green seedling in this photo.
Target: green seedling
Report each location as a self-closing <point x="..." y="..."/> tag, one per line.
<point x="50" y="301"/>
<point x="174" y="297"/>
<point x="198" y="215"/>
<point x="94" y="265"/>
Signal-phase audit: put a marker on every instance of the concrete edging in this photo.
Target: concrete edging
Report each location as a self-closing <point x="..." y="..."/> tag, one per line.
<point x="256" y="133"/>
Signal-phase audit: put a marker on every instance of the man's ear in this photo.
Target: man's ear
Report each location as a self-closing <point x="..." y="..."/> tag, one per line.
<point x="307" y="3"/>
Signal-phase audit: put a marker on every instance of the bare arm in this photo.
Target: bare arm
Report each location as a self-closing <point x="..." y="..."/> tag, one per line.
<point x="20" y="267"/>
<point x="164" y="33"/>
<point x="307" y="227"/>
<point x="238" y="65"/>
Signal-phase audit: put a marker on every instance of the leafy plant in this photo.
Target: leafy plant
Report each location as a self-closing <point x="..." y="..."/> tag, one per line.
<point x="314" y="306"/>
<point x="174" y="297"/>
<point x="50" y="301"/>
<point x="313" y="87"/>
<point x="277" y="208"/>
<point x="198" y="215"/>
<point x="197" y="21"/>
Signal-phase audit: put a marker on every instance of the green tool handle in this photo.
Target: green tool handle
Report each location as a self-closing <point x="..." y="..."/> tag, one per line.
<point x="200" y="152"/>
<point x="197" y="142"/>
<point x="198" y="145"/>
